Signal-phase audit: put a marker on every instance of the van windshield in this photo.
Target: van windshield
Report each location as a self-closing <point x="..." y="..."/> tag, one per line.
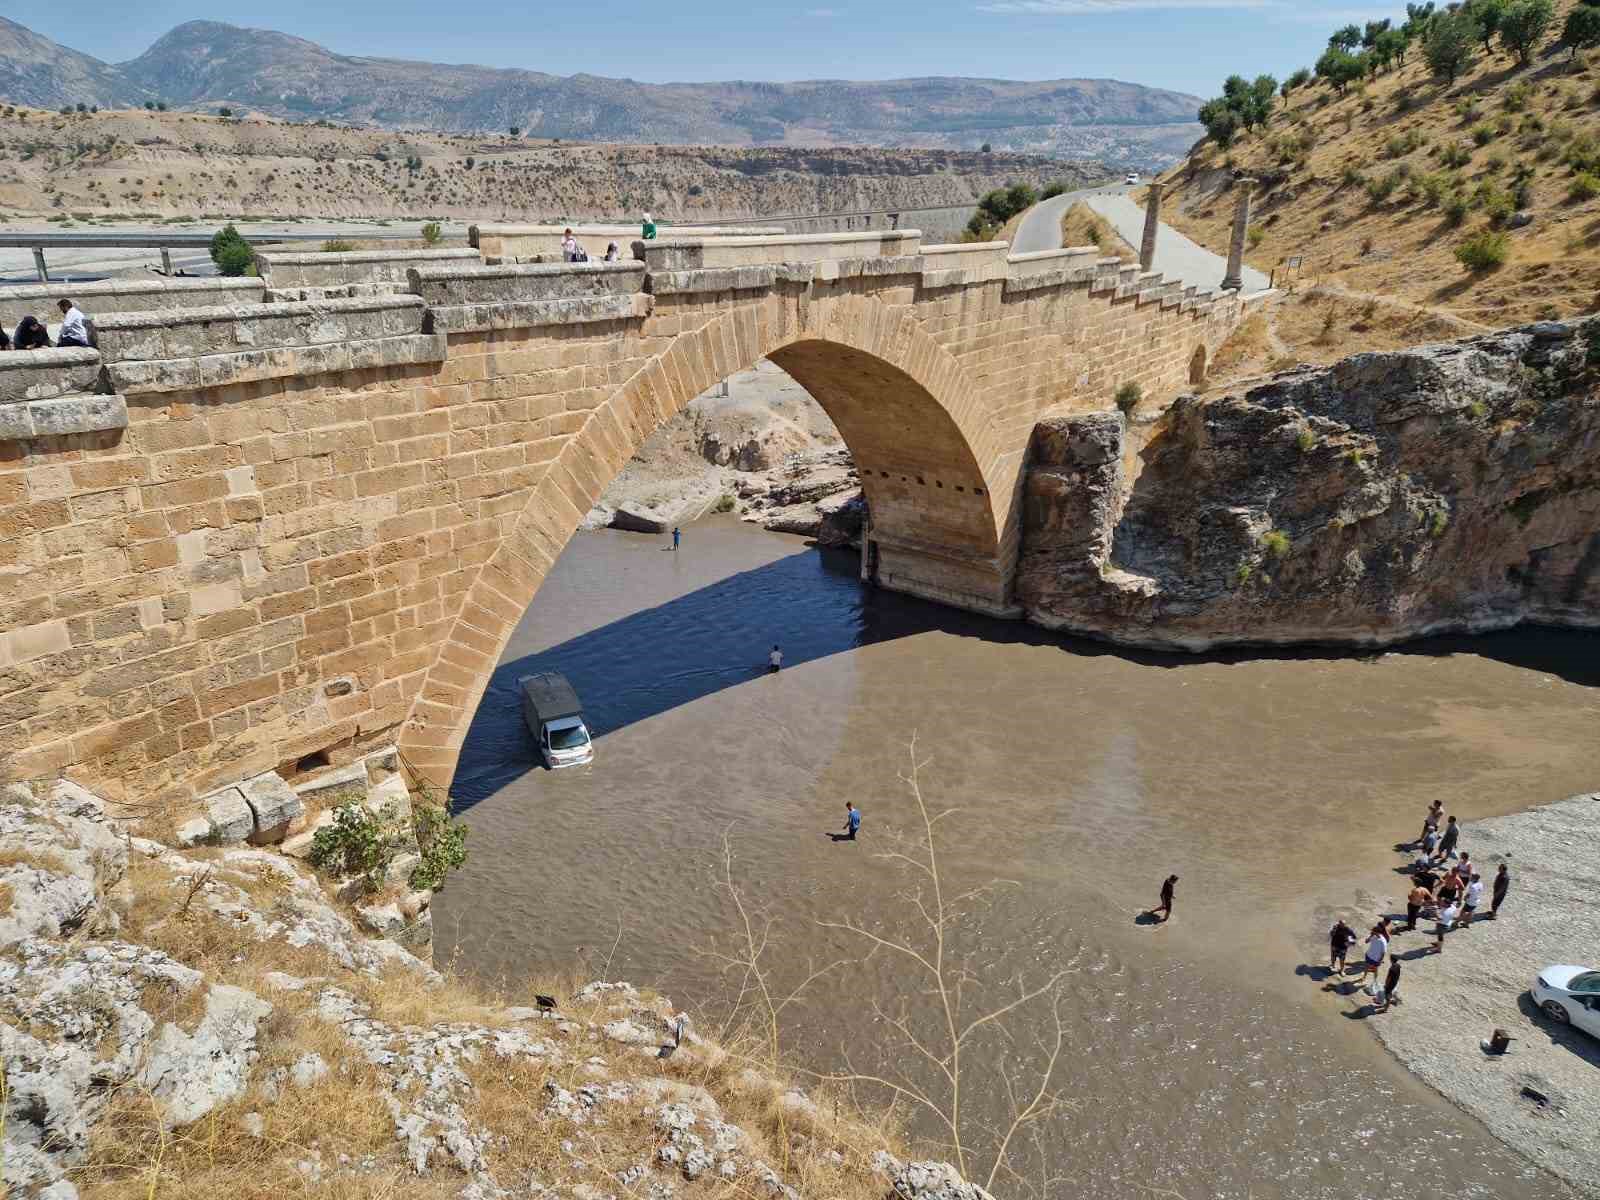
<point x="569" y="739"/>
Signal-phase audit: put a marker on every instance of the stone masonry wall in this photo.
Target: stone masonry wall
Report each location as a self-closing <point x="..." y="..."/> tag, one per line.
<point x="321" y="521"/>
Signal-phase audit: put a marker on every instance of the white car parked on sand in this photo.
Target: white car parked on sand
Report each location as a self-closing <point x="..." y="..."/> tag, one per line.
<point x="1570" y="996"/>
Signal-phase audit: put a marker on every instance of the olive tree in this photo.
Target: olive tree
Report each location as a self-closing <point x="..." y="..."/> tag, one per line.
<point x="1451" y="43"/>
<point x="1523" y="24"/>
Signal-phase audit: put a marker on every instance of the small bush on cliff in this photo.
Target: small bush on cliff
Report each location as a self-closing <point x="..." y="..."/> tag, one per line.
<point x="1484" y="251"/>
<point x="1128" y="396"/>
<point x="1305" y="440"/>
<point x="1584" y="187"/>
<point x="441" y="840"/>
<point x="725" y="504"/>
<point x="337" y="246"/>
<point x="1276" y="543"/>
<point x="432" y="232"/>
<point x="359" y="843"/>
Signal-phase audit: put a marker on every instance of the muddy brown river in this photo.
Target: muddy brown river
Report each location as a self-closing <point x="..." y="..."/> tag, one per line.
<point x="1201" y="1058"/>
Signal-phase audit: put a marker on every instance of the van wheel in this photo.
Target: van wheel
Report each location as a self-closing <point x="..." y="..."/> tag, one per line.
<point x="1557" y="1012"/>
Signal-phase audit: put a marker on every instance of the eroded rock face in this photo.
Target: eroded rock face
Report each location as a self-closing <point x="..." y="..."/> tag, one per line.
<point x="1452" y="487"/>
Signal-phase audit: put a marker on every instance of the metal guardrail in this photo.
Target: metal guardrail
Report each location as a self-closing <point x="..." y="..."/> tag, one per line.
<point x="165" y="242"/>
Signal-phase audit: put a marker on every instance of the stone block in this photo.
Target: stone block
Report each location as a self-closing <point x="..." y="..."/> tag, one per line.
<point x="231" y="818"/>
<point x="392" y="791"/>
<point x="78" y="414"/>
<point x="274" y="805"/>
<point x="347" y="785"/>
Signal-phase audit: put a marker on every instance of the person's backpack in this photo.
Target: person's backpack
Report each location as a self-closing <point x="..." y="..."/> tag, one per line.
<point x="582" y="255"/>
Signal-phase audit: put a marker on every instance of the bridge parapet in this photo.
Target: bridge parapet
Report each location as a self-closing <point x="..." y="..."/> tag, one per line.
<point x="116" y="296"/>
<point x="339" y="268"/>
<point x="519" y="243"/>
<point x="212" y="347"/>
<point x="474" y="299"/>
<point x="691" y="254"/>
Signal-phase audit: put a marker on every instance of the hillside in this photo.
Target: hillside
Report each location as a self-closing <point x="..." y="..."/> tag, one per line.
<point x="1378" y="188"/>
<point x="180" y="165"/>
<point x="204" y="65"/>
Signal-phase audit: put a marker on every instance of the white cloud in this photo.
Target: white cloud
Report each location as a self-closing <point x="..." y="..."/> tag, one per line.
<point x="1107" y="7"/>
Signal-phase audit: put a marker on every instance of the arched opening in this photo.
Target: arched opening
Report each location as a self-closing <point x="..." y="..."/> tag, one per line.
<point x="1197" y="366"/>
<point x="903" y="407"/>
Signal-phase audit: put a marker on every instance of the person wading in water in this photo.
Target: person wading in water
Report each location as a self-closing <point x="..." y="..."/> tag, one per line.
<point x="1168" y="886"/>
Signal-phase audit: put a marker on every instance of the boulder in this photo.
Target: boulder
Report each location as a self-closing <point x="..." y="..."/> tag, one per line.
<point x="229" y="815"/>
<point x="636" y="520"/>
<point x="191" y="1074"/>
<point x="273" y="806"/>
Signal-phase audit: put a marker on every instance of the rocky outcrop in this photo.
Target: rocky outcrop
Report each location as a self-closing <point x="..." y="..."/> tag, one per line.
<point x="1444" y="488"/>
<point x="181" y="1021"/>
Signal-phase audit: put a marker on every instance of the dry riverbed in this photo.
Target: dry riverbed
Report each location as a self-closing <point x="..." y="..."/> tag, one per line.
<point x="765" y="450"/>
<point x="1453" y="1000"/>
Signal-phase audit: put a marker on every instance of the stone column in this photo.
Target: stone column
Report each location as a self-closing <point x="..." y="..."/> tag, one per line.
<point x="1234" y="279"/>
<point x="38" y="264"/>
<point x="1152" y="226"/>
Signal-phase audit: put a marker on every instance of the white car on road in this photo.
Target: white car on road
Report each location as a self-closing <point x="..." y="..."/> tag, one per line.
<point x="1132" y="179"/>
<point x="1570" y="996"/>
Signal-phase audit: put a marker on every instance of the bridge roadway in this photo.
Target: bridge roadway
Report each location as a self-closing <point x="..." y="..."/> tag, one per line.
<point x="1177" y="256"/>
<point x="282" y="523"/>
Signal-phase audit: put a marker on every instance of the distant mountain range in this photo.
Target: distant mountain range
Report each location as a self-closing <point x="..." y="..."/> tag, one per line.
<point x="206" y="65"/>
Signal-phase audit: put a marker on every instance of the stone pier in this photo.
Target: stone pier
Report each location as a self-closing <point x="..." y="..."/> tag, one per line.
<point x="1152" y="226"/>
<point x="1234" y="279"/>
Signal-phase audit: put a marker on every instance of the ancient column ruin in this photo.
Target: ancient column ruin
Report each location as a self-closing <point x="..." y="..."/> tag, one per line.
<point x="1234" y="279"/>
<point x="1152" y="226"/>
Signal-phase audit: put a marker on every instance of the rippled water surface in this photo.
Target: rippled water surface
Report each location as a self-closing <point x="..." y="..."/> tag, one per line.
<point x="1201" y="1059"/>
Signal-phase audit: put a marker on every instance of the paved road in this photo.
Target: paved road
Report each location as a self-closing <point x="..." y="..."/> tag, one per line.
<point x="1176" y="256"/>
<point x="1041" y="224"/>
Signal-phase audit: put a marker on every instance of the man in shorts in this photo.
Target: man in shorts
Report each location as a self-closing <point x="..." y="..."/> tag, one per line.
<point x="1340" y="938"/>
<point x="1377" y="951"/>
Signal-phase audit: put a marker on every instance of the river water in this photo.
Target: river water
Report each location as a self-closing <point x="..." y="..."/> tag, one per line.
<point x="1202" y="1057"/>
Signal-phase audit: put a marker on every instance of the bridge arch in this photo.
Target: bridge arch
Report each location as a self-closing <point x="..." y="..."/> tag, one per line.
<point x="930" y="457"/>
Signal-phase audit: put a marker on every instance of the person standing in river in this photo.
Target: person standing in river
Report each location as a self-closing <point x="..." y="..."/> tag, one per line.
<point x="852" y="821"/>
<point x="1340" y="938"/>
<point x="1168" y="887"/>
<point x="677" y="536"/>
<point x="1391" y="985"/>
<point x="1502" y="884"/>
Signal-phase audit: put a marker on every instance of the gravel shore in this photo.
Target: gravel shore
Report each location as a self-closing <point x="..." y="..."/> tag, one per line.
<point x="1451" y="1001"/>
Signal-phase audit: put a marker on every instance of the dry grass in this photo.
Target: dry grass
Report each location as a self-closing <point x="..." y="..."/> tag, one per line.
<point x="39" y="860"/>
<point x="5" y="898"/>
<point x="1312" y="203"/>
<point x="1082" y="226"/>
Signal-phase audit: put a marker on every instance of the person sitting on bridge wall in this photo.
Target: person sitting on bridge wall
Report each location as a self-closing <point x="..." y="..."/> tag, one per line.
<point x="613" y="252"/>
<point x="73" y="331"/>
<point x="5" y="342"/>
<point x="30" y="335"/>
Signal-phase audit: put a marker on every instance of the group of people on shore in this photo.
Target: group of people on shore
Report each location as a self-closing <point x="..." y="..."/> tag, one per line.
<point x="1446" y="888"/>
<point x="31" y="333"/>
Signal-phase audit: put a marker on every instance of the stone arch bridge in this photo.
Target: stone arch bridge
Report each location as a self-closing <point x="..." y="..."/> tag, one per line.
<point x="277" y="525"/>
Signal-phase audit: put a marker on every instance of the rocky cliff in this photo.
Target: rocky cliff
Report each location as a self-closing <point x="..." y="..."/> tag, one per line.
<point x="1449" y="487"/>
<point x="209" y="1022"/>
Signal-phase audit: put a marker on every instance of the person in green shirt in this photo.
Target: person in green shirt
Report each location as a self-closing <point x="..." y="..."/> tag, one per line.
<point x="649" y="231"/>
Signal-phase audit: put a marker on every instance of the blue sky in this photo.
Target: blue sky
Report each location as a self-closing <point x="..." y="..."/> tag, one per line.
<point x="1189" y="45"/>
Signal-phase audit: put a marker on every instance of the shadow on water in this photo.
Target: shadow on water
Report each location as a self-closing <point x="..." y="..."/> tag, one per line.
<point x="814" y="605"/>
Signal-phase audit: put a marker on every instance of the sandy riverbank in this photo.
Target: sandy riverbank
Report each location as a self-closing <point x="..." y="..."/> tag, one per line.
<point x="1451" y="1001"/>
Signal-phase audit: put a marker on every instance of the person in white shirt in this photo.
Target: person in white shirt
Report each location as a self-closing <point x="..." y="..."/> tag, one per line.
<point x="1377" y="951"/>
<point x="569" y="247"/>
<point x="73" y="331"/>
<point x="613" y="252"/>
<point x="1474" y="896"/>
<point x="775" y="660"/>
<point x="1447" y="920"/>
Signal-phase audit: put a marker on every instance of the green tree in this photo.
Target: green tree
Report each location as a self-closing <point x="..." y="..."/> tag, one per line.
<point x="1488" y="14"/>
<point x="1391" y="47"/>
<point x="1418" y="18"/>
<point x="1222" y="123"/>
<point x="231" y="252"/>
<point x="1372" y="31"/>
<point x="150" y="105"/>
<point x="1340" y="67"/>
<point x="1346" y="39"/>
<point x="1451" y="43"/>
<point x="516" y="131"/>
<point x="1582" y="30"/>
<point x="1523" y="24"/>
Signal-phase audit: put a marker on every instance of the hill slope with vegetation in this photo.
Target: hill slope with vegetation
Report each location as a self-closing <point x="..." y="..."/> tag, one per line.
<point x="1449" y="165"/>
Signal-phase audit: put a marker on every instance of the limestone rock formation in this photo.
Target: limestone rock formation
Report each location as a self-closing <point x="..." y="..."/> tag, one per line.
<point x="184" y="1021"/>
<point x="1450" y="487"/>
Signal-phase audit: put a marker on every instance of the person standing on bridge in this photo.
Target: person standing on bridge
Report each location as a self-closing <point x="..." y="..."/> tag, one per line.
<point x="73" y="331"/>
<point x="648" y="232"/>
